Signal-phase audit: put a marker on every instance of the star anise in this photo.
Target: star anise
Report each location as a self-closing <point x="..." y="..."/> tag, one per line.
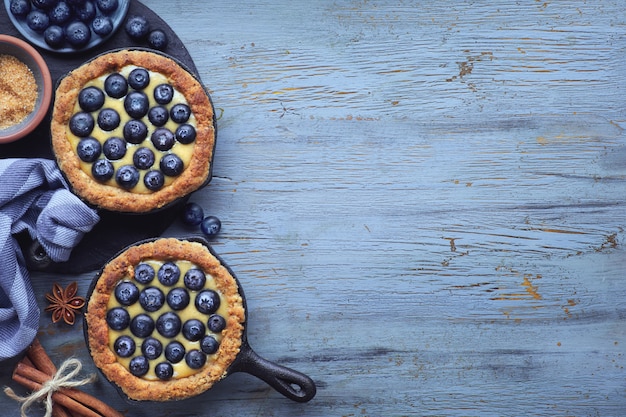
<point x="64" y="303"/>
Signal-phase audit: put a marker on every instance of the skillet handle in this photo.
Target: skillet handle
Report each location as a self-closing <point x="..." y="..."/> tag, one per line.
<point x="36" y="258"/>
<point x="292" y="384"/>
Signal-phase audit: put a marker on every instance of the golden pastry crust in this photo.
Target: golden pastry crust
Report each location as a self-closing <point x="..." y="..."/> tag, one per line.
<point x="98" y="331"/>
<point x="117" y="199"/>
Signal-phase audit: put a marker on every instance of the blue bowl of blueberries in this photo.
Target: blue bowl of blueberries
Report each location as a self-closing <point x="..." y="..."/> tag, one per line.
<point x="67" y="26"/>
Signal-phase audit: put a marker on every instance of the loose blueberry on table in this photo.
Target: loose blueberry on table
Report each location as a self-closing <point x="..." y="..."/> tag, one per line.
<point x="158" y="39"/>
<point x="210" y="225"/>
<point x="192" y="214"/>
<point x="137" y="27"/>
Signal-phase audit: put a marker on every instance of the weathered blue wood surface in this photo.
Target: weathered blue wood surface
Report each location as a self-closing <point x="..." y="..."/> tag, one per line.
<point x="425" y="204"/>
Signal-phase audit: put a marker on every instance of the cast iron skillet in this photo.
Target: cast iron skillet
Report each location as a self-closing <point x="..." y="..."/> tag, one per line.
<point x="105" y="238"/>
<point x="204" y="88"/>
<point x="292" y="384"/>
<point x="114" y="231"/>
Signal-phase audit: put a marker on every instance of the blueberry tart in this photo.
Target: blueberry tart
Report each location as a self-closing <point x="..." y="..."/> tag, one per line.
<point x="133" y="131"/>
<point x="164" y="320"/>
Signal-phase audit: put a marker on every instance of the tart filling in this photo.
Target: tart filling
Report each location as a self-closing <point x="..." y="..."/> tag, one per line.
<point x="133" y="131"/>
<point x="164" y="320"/>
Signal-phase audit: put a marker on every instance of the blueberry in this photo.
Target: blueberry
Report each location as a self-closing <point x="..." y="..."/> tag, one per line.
<point x="180" y="113"/>
<point x="168" y="324"/>
<point x="164" y="371"/>
<point x="185" y="133"/>
<point x="216" y="323"/>
<point x="60" y="13"/>
<point x="108" y="119"/>
<point x="118" y="318"/>
<point x="77" y="34"/>
<point x="163" y="93"/>
<point x="171" y="165"/>
<point x="88" y="149"/>
<point x="144" y="273"/>
<point x="127" y="176"/>
<point x="115" y="85"/>
<point x="37" y="21"/>
<point x="102" y="170"/>
<point x="139" y="366"/>
<point x="86" y="11"/>
<point x="91" y="99"/>
<point x="20" y="8"/>
<point x="157" y="39"/>
<point x="151" y="348"/>
<point x="107" y="6"/>
<point x="174" y="352"/>
<point x="193" y="330"/>
<point x="178" y="298"/>
<point x="44" y="4"/>
<point x="126" y="293"/>
<point x="162" y="139"/>
<point x="54" y="36"/>
<point x="139" y="78"/>
<point x="142" y="325"/>
<point x="158" y="115"/>
<point x="135" y="131"/>
<point x="136" y="104"/>
<point x="114" y="148"/>
<point x="137" y="27"/>
<point x="143" y="158"/>
<point x="192" y="214"/>
<point x="102" y="25"/>
<point x="151" y="299"/>
<point x="209" y="345"/>
<point x="124" y="346"/>
<point x="195" y="359"/>
<point x="211" y="225"/>
<point x="154" y="180"/>
<point x="76" y="2"/>
<point x="82" y="124"/>
<point x="168" y="274"/>
<point x="207" y="301"/>
<point x="194" y="279"/>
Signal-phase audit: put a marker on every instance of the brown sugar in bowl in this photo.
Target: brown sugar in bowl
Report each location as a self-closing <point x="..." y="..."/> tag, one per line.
<point x="12" y="49"/>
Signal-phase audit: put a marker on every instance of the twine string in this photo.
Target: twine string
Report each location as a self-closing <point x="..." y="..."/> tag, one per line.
<point x="62" y="379"/>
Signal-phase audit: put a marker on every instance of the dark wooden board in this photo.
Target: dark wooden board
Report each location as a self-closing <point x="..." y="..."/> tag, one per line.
<point x="114" y="231"/>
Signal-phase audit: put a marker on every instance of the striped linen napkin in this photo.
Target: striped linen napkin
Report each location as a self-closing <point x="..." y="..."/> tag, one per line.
<point x="34" y="198"/>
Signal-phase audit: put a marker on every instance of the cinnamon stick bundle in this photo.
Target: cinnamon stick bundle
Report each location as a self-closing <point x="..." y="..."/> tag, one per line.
<point x="37" y="368"/>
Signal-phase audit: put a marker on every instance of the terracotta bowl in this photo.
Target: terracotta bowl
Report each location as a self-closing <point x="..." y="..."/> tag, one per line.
<point x="23" y="51"/>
